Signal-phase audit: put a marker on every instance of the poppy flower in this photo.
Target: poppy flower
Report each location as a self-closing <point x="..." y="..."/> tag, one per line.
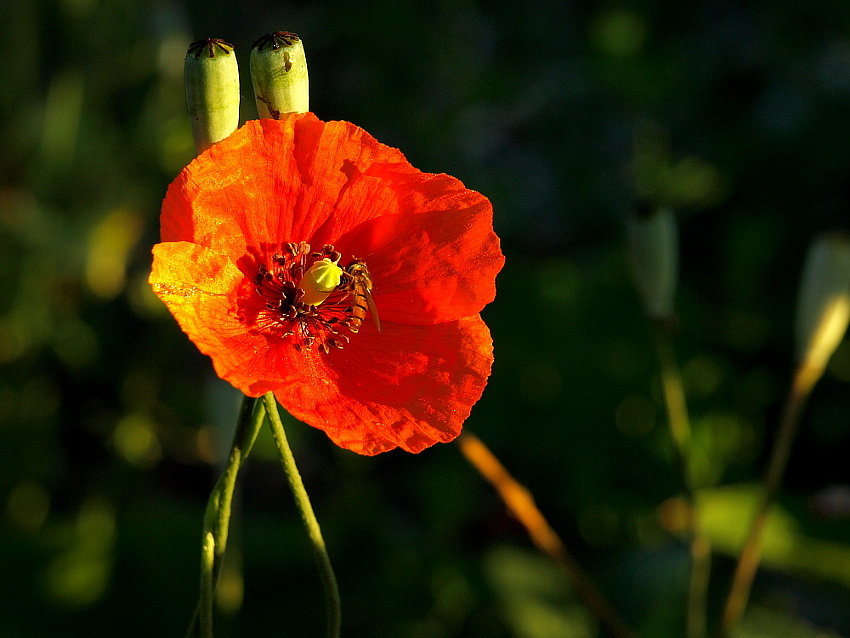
<point x="310" y="260"/>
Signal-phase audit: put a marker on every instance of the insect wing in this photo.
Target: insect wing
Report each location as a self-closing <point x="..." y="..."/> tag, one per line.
<point x="364" y="290"/>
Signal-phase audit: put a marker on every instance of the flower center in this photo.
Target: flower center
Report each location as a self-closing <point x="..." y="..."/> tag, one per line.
<point x="320" y="280"/>
<point x="309" y="299"/>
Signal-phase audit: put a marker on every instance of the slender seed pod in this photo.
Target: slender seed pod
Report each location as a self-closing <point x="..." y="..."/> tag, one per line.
<point x="653" y="246"/>
<point x="823" y="305"/>
<point x="211" y="78"/>
<point x="279" y="75"/>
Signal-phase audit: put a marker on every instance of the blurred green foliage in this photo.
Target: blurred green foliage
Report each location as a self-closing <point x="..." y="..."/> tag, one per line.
<point x="564" y="114"/>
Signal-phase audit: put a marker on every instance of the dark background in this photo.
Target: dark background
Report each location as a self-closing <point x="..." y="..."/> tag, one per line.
<point x="565" y="114"/>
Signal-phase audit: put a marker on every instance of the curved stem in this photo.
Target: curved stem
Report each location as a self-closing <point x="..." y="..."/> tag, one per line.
<point x="207" y="585"/>
<point x="748" y="561"/>
<point x="314" y="532"/>
<point x="520" y="502"/>
<point x="217" y="515"/>
<point x="680" y="432"/>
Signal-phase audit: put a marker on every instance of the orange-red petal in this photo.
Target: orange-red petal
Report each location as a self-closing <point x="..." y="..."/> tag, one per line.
<point x="271" y="179"/>
<point x="428" y="240"/>
<point x="428" y="243"/>
<point x="408" y="387"/>
<point x="201" y="288"/>
<point x="429" y="267"/>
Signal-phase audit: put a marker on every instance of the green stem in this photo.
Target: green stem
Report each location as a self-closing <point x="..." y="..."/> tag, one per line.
<point x="680" y="432"/>
<point x="217" y="515"/>
<point x="207" y="585"/>
<point x="314" y="532"/>
<point x="748" y="561"/>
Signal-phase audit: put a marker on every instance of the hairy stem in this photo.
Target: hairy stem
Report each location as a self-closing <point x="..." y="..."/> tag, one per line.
<point x="207" y="585"/>
<point x="302" y="500"/>
<point x="217" y="515"/>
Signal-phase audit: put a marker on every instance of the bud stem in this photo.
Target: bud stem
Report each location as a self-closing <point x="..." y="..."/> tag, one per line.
<point x="748" y="561"/>
<point x="823" y="312"/>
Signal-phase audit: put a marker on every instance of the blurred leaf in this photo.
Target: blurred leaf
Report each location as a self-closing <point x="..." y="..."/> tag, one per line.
<point x="725" y="514"/>
<point x="534" y="596"/>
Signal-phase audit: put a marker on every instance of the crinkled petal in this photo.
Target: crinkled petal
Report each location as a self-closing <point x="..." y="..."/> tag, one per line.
<point x="201" y="288"/>
<point x="408" y="387"/>
<point x="428" y="240"/>
<point x="271" y="179"/>
<point x="428" y="243"/>
<point x="429" y="267"/>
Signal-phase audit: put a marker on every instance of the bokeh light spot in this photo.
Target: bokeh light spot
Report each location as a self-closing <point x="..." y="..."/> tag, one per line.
<point x="725" y="514"/>
<point x="62" y="118"/>
<point x="674" y="514"/>
<point x="702" y="376"/>
<point x="619" y="33"/>
<point x="176" y="146"/>
<point x="110" y="243"/>
<point x="230" y="590"/>
<point x="78" y="577"/>
<point x="718" y="440"/>
<point x="13" y="341"/>
<point x="207" y="444"/>
<point x="663" y="180"/>
<point x="136" y="441"/>
<point x="452" y="594"/>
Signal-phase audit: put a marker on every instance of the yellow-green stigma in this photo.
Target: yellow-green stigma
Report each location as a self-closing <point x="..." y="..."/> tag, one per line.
<point x="320" y="280"/>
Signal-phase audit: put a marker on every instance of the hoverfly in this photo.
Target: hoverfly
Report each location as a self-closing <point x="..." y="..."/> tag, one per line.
<point x="361" y="287"/>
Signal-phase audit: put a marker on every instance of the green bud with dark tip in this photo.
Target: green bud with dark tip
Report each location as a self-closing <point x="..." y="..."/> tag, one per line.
<point x="279" y="75"/>
<point x="823" y="304"/>
<point x="653" y="245"/>
<point x="212" y="91"/>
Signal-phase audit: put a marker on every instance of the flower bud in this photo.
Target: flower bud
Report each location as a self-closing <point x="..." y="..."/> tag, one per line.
<point x="279" y="75"/>
<point x="212" y="91"/>
<point x="823" y="307"/>
<point x="653" y="245"/>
